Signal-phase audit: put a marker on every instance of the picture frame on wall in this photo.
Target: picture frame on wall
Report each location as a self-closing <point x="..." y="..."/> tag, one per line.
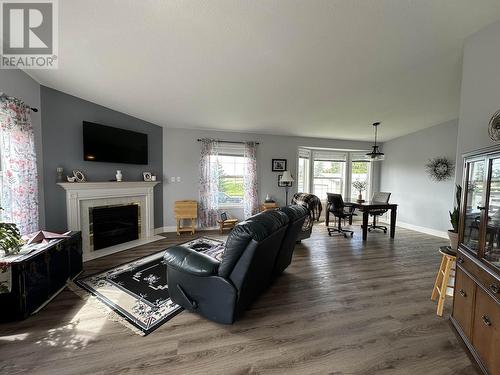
<point x="283" y="184"/>
<point x="279" y="165"/>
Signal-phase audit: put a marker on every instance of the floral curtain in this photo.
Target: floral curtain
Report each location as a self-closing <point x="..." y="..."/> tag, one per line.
<point x="209" y="183"/>
<point x="18" y="173"/>
<point x="250" y="199"/>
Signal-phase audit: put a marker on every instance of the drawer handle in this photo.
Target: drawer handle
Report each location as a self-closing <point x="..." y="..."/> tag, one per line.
<point x="486" y="320"/>
<point x="462" y="293"/>
<point x="494" y="288"/>
<point x="460" y="260"/>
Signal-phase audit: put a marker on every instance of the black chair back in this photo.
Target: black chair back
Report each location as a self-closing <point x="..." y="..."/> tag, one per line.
<point x="335" y="203"/>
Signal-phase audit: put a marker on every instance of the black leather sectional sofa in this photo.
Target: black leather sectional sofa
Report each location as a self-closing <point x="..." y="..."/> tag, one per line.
<point x="256" y="252"/>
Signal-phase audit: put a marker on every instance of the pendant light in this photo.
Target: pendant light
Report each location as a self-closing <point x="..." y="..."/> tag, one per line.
<point x="375" y="154"/>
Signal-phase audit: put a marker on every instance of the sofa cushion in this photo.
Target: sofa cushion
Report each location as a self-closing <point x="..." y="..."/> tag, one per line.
<point x="257" y="228"/>
<point x="295" y="212"/>
<point x="191" y="261"/>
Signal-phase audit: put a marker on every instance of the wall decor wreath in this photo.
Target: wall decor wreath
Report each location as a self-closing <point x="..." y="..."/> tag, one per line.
<point x="440" y="168"/>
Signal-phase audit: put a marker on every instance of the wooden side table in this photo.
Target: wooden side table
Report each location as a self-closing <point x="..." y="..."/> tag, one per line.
<point x="227" y="224"/>
<point x="269" y="206"/>
<point x="186" y="209"/>
<point x="446" y="270"/>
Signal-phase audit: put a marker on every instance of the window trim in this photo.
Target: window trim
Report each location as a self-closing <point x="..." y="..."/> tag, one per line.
<point x="347" y="186"/>
<point x="234" y="152"/>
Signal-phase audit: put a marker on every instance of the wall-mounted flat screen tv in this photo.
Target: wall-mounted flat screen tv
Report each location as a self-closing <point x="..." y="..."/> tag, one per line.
<point x="113" y="145"/>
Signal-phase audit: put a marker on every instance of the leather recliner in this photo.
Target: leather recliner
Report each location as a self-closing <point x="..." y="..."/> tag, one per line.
<point x="296" y="216"/>
<point x="221" y="291"/>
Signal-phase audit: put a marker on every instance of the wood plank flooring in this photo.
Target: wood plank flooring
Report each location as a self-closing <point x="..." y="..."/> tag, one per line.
<point x="342" y="307"/>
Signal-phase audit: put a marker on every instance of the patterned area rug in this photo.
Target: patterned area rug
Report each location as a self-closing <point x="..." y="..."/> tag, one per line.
<point x="138" y="290"/>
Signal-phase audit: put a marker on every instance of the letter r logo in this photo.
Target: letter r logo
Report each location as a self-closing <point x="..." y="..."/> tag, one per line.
<point x="27" y="28"/>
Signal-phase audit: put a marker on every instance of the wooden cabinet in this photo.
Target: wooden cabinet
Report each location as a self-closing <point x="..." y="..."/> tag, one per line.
<point x="464" y="301"/>
<point x="486" y="335"/>
<point x="476" y="306"/>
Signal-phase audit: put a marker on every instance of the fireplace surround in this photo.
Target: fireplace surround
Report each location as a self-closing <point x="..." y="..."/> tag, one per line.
<point x="83" y="199"/>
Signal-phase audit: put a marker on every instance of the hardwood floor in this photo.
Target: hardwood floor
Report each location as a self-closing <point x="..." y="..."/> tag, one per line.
<point x="342" y="307"/>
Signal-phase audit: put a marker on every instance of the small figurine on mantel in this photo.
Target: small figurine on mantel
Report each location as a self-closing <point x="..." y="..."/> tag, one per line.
<point x="43" y="236"/>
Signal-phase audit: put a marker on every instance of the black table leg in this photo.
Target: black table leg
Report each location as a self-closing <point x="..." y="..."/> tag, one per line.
<point x="365" y="224"/>
<point x="393" y="221"/>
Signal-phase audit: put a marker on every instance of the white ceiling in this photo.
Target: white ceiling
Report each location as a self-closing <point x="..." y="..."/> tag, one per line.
<point x="299" y="67"/>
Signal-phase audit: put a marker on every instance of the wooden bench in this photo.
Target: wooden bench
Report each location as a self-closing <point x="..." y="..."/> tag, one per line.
<point x="227" y="224"/>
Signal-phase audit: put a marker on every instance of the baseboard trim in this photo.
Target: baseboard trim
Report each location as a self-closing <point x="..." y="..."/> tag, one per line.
<point x="173" y="229"/>
<point x="417" y="228"/>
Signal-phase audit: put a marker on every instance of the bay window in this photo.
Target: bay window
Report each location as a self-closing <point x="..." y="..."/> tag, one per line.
<point x="332" y="171"/>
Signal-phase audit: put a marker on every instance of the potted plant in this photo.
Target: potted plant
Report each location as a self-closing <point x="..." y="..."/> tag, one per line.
<point x="454" y="219"/>
<point x="360" y="186"/>
<point x="10" y="238"/>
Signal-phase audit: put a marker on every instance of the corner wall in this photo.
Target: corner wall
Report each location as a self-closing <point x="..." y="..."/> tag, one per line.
<point x="423" y="203"/>
<point x="63" y="146"/>
<point x="480" y="94"/>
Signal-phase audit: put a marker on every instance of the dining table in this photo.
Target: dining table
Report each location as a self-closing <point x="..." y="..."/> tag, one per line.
<point x="366" y="206"/>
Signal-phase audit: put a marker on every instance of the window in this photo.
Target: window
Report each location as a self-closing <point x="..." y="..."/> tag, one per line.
<point x="332" y="171"/>
<point x="304" y="171"/>
<point x="231" y="169"/>
<point x="328" y="173"/>
<point x="360" y="171"/>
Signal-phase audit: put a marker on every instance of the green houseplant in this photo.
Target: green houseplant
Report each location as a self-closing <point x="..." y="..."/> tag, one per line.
<point x="454" y="219"/>
<point x="10" y="238"/>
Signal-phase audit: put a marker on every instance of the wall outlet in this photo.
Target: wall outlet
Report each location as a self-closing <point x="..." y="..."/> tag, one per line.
<point x="172" y="179"/>
<point x="178" y="179"/>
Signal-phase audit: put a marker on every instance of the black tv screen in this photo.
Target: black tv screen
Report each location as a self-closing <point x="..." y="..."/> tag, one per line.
<point x="114" y="145"/>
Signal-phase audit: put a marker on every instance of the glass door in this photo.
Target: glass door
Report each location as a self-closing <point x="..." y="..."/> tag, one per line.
<point x="492" y="221"/>
<point x="474" y="193"/>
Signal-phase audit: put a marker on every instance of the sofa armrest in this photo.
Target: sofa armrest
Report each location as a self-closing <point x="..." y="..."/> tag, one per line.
<point x="190" y="261"/>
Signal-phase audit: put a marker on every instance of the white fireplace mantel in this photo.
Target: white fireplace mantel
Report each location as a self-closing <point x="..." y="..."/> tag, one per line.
<point x="81" y="196"/>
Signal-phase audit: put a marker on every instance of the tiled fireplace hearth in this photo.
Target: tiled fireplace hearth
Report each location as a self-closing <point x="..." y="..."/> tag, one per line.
<point x="112" y="216"/>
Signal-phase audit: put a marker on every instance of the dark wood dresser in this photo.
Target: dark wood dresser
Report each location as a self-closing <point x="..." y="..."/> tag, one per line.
<point x="39" y="277"/>
<point x="476" y="304"/>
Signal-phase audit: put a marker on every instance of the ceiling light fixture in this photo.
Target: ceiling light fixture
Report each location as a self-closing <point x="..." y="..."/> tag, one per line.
<point x="375" y="154"/>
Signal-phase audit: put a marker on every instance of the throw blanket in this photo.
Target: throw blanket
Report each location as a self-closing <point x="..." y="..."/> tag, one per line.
<point x="312" y="203"/>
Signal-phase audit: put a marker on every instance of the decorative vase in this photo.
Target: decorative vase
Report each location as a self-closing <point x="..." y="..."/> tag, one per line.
<point x="60" y="171"/>
<point x="119" y="176"/>
<point x="360" y="197"/>
<point x="453" y="236"/>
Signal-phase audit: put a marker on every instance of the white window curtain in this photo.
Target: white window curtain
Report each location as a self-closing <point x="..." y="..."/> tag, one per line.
<point x="250" y="199"/>
<point x="18" y="177"/>
<point x="209" y="183"/>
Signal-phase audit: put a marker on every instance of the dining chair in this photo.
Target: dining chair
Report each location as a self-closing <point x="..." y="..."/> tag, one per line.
<point x="337" y="207"/>
<point x="381" y="197"/>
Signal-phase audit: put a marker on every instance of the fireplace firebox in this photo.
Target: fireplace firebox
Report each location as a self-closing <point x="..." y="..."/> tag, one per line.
<point x="113" y="225"/>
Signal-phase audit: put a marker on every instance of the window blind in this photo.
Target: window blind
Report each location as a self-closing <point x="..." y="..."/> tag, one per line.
<point x="304" y="153"/>
<point x="330" y="156"/>
<point x="359" y="156"/>
<point x="233" y="149"/>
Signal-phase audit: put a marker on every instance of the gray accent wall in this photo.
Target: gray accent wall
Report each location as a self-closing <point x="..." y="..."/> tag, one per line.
<point x="63" y="146"/>
<point x="15" y="82"/>
<point x="181" y="158"/>
<point x="422" y="202"/>
<point x="480" y="94"/>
